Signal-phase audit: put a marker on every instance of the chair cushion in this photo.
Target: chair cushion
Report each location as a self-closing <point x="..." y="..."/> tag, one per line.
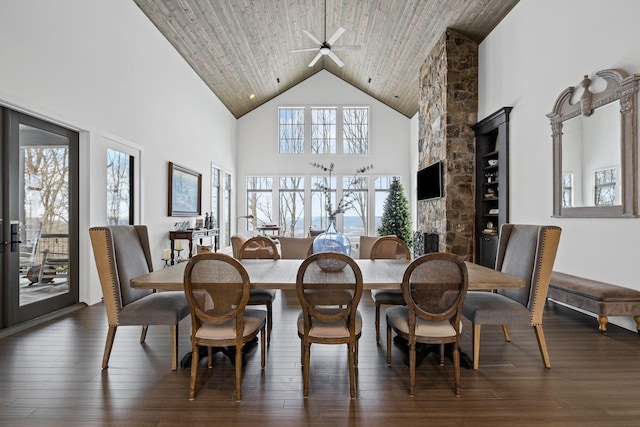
<point x="160" y="308"/>
<point x="488" y="308"/>
<point x="388" y="297"/>
<point x="261" y="296"/>
<point x="398" y="318"/>
<point x="253" y="321"/>
<point x="329" y="329"/>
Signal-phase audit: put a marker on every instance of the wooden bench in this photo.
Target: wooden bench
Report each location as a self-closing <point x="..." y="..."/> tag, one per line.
<point x="600" y="298"/>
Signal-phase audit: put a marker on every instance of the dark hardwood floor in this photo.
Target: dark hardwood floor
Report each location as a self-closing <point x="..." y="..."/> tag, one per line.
<point x="50" y="376"/>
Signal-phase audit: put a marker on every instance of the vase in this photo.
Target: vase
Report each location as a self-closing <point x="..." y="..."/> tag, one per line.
<point x="332" y="241"/>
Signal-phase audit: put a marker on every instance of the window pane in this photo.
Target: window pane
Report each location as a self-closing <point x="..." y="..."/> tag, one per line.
<point x="226" y="211"/>
<point x="323" y="130"/>
<point x="605" y="187"/>
<point x="319" y="216"/>
<point x="291" y="128"/>
<point x="259" y="201"/>
<point x="355" y="130"/>
<point x="215" y="197"/>
<point x="119" y="192"/>
<point x="292" y="206"/>
<point x="355" y="215"/>
<point x="567" y="190"/>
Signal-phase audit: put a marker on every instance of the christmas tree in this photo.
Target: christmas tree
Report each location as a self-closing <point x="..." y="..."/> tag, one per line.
<point x="396" y="218"/>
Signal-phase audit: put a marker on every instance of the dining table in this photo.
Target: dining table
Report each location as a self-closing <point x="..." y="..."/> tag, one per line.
<point x="281" y="274"/>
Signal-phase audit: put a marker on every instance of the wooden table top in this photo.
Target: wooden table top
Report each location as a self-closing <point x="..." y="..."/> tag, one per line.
<point x="281" y="274"/>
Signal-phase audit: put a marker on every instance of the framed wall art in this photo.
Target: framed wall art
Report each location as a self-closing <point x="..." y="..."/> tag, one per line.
<point x="185" y="191"/>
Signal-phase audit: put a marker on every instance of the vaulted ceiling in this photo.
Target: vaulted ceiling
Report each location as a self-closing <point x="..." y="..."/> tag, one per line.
<point x="242" y="48"/>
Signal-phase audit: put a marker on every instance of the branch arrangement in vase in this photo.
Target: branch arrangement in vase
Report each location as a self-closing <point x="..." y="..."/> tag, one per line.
<point x="346" y="201"/>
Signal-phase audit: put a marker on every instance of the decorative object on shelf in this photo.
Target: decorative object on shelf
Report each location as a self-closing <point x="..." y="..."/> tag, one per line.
<point x="185" y="190"/>
<point x="199" y="223"/>
<point x="332" y="240"/>
<point x="166" y="257"/>
<point x="493" y="162"/>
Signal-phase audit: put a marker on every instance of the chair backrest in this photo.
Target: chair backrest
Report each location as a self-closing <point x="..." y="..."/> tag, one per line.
<point x="121" y="253"/>
<point x="528" y="252"/>
<point x="366" y="243"/>
<point x="390" y="247"/>
<point x="295" y="247"/>
<point x="258" y="247"/>
<point x="329" y="294"/>
<point x="434" y="287"/>
<point x="217" y="288"/>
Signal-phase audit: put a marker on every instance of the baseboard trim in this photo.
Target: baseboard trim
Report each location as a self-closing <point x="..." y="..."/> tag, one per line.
<point x="40" y="320"/>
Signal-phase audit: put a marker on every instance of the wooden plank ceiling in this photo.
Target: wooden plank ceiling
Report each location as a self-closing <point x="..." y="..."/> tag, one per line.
<point x="243" y="47"/>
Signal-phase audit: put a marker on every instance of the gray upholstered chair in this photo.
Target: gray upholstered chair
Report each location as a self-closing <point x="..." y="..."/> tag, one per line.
<point x="329" y="300"/>
<point x="528" y="252"/>
<point x="217" y="287"/>
<point x="434" y="287"/>
<point x="295" y="247"/>
<point x="388" y="247"/>
<point x="121" y="253"/>
<point x="261" y="247"/>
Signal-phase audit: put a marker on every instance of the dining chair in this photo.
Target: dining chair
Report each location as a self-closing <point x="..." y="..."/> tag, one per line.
<point x="528" y="252"/>
<point x="329" y="298"/>
<point x="261" y="247"/>
<point x="217" y="289"/>
<point x="121" y="253"/>
<point x="434" y="287"/>
<point x="388" y="247"/>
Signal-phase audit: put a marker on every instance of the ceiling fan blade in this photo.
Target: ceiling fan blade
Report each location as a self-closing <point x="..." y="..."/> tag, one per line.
<point x="336" y="59"/>
<point x="312" y="37"/>
<point x="335" y="36"/>
<point x="346" y="47"/>
<point x="311" y="49"/>
<point x="316" y="59"/>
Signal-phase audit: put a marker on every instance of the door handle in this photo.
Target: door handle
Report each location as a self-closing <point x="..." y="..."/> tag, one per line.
<point x="15" y="236"/>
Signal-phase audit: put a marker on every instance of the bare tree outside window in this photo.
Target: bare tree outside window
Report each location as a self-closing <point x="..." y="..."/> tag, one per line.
<point x="355" y="217"/>
<point x="605" y="187"/>
<point x="291" y="129"/>
<point x="355" y="129"/>
<point x="323" y="130"/>
<point x="319" y="215"/>
<point x="119" y="173"/>
<point x="259" y="200"/>
<point x="292" y="206"/>
<point x="46" y="178"/>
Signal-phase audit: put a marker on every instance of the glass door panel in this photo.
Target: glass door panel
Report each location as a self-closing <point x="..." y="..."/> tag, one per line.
<point x="39" y="214"/>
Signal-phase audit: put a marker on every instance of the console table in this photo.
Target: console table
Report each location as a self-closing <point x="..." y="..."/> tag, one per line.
<point x="191" y="235"/>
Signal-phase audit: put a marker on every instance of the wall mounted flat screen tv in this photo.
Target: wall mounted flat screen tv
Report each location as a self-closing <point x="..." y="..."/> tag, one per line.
<point x="430" y="182"/>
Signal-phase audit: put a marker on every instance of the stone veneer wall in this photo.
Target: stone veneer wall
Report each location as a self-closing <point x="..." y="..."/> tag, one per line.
<point x="448" y="107"/>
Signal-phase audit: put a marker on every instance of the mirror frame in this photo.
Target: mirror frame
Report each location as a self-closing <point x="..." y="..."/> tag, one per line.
<point x="620" y="87"/>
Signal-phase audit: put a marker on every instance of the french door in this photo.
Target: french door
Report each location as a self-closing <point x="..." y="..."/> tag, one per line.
<point x="39" y="218"/>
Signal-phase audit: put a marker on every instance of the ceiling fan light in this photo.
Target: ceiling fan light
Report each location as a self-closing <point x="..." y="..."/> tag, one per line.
<point x="325" y="50"/>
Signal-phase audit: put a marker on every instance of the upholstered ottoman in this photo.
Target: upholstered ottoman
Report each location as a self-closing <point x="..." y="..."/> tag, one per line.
<point x="601" y="298"/>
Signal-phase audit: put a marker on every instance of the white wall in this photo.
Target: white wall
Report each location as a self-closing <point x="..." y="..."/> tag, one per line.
<point x="541" y="48"/>
<point x="101" y="67"/>
<point x="390" y="136"/>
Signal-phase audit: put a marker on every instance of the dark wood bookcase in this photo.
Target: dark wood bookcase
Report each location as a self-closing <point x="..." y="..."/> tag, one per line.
<point x="492" y="183"/>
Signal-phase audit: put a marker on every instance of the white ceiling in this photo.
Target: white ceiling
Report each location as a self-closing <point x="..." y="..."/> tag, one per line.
<point x="242" y="47"/>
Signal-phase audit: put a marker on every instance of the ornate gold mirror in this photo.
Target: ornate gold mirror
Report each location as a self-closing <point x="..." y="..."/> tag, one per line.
<point x="595" y="147"/>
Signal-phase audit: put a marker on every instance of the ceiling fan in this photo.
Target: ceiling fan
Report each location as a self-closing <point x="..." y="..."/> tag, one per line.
<point x="326" y="47"/>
